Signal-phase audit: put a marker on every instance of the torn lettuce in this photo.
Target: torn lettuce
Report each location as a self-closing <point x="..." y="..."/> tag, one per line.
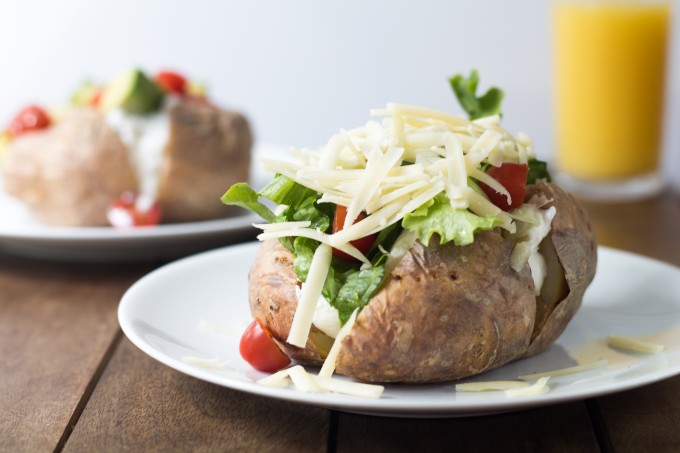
<point x="451" y="224"/>
<point x="538" y="171"/>
<point x="299" y="201"/>
<point x="346" y="287"/>
<point x="242" y="195"/>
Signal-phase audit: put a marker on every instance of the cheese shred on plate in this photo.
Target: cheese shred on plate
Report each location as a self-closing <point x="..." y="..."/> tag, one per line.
<point x="537" y="388"/>
<point x="306" y="382"/>
<point x="511" y="388"/>
<point x="566" y="371"/>
<point x="388" y="169"/>
<point x="634" y="345"/>
<point x="490" y="386"/>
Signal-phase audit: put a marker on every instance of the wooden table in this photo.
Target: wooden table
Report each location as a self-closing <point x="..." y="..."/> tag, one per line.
<point x="70" y="380"/>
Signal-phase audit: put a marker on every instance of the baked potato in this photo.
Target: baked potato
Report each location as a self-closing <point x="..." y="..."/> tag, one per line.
<point x="71" y="172"/>
<point x="445" y="312"/>
<point x="438" y="243"/>
<point x="57" y="172"/>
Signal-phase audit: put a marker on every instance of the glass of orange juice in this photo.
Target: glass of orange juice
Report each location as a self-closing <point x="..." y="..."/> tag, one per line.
<point x="610" y="68"/>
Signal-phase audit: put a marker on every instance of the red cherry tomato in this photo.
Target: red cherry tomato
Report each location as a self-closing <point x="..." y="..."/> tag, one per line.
<point x="130" y="211"/>
<point x="514" y="178"/>
<point x="31" y="118"/>
<point x="96" y="97"/>
<point x="259" y="349"/>
<point x="363" y="244"/>
<point x="172" y="82"/>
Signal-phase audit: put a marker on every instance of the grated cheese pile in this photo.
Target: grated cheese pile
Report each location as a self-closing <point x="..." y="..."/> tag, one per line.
<point x="388" y="169"/>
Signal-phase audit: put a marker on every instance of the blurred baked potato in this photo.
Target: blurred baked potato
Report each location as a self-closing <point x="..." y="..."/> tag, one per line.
<point x="70" y="172"/>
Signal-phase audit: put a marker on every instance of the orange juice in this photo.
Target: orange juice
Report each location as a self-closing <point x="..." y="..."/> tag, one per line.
<point x="610" y="72"/>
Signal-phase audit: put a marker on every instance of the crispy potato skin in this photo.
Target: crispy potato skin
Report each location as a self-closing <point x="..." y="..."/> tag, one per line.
<point x="445" y="312"/>
<point x="574" y="240"/>
<point x="70" y="173"/>
<point x="272" y="296"/>
<point x="435" y="319"/>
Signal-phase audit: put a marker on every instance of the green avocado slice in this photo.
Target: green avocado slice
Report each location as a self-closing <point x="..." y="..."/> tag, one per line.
<point x="133" y="92"/>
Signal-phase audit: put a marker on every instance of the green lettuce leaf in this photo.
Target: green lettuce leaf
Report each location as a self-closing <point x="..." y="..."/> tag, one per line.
<point x="302" y="206"/>
<point x="317" y="214"/>
<point x="300" y="200"/>
<point x="242" y="195"/>
<point x="457" y="225"/>
<point x="282" y="190"/>
<point x="476" y="107"/>
<point x="538" y="171"/>
<point x="346" y="287"/>
<point x="357" y="290"/>
<point x="303" y="251"/>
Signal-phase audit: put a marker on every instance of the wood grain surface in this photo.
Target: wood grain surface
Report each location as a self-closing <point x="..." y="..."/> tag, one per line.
<point x="648" y="418"/>
<point x="57" y="324"/>
<point x="69" y="379"/>
<point x="141" y="405"/>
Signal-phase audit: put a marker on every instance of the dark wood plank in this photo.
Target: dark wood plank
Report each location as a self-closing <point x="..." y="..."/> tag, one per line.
<point x="648" y="418"/>
<point x="57" y="322"/>
<point x="644" y="419"/>
<point x="649" y="228"/>
<point x="564" y="428"/>
<point x="142" y="405"/>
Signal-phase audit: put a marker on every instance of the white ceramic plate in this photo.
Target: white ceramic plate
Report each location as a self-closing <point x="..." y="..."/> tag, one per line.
<point x="198" y="307"/>
<point x="22" y="234"/>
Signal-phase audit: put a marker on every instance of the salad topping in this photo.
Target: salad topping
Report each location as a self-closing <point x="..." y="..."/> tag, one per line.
<point x="417" y="173"/>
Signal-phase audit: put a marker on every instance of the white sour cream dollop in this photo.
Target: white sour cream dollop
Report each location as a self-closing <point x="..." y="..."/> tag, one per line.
<point x="326" y="317"/>
<point x="145" y="137"/>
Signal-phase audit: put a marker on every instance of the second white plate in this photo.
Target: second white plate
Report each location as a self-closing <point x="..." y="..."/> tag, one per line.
<point x="197" y="308"/>
<point x="21" y="234"/>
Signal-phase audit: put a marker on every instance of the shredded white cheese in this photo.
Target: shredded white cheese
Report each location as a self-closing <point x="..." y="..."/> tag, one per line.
<point x="304" y="314"/>
<point x="634" y="345"/>
<point x="282" y="226"/>
<point x="278" y="379"/>
<point x="362" y="168"/>
<point x="566" y="371"/>
<point x="389" y="168"/>
<point x="306" y="382"/>
<point x="317" y="236"/>
<point x="539" y="387"/>
<point x="328" y="366"/>
<point x="210" y="363"/>
<point x="490" y="386"/>
<point x="349" y="387"/>
<point x="302" y="380"/>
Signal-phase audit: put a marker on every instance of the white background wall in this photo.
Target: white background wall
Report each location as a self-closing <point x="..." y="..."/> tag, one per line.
<point x="299" y="69"/>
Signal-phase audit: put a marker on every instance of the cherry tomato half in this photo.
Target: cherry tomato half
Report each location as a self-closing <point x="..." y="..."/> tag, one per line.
<point x="363" y="244"/>
<point x="259" y="349"/>
<point x="31" y="118"/>
<point x="96" y="97"/>
<point x="514" y="178"/>
<point x="130" y="211"/>
<point x="172" y="82"/>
